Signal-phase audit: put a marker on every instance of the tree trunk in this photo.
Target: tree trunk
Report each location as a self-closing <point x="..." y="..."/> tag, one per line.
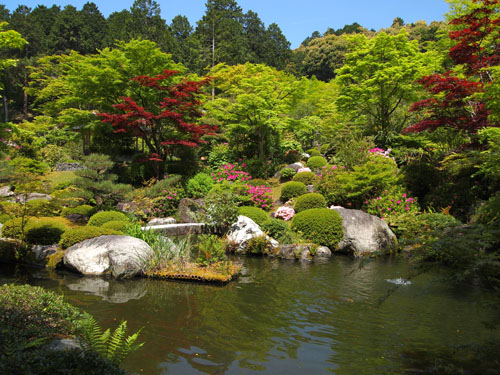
<point x="25" y="99"/>
<point x="5" y="109"/>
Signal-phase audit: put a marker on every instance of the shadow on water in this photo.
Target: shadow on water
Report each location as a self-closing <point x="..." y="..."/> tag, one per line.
<point x="284" y="317"/>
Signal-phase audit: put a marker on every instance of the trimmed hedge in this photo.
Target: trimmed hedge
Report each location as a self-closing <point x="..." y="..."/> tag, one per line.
<point x="84" y="210"/>
<point x="313" y="152"/>
<point x="44" y="232"/>
<point x="319" y="225"/>
<point x="102" y="217"/>
<point x="308" y="201"/>
<point x="75" y="235"/>
<point x="279" y="230"/>
<point x="42" y="207"/>
<point x="316" y="162"/>
<point x="256" y="214"/>
<point x="117" y="225"/>
<point x="307" y="178"/>
<point x="292" y="189"/>
<point x="12" y="228"/>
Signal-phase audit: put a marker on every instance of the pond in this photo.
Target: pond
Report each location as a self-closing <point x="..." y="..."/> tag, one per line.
<point x="283" y="317"/>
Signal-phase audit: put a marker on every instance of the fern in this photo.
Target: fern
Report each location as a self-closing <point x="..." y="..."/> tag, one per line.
<point x="113" y="346"/>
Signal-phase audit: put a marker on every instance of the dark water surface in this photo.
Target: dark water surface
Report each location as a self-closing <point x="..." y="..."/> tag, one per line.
<point x="282" y="318"/>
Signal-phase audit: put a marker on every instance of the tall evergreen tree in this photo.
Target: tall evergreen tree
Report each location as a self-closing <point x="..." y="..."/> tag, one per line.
<point x="221" y="34"/>
<point x="93" y="30"/>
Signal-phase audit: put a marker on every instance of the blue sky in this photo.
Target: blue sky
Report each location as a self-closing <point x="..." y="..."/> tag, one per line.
<point x="297" y="19"/>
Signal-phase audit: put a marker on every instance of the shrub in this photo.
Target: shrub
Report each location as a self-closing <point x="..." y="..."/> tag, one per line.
<point x="231" y="172"/>
<point x="259" y="245"/>
<point x="221" y="210"/>
<point x="211" y="250"/>
<point x="279" y="230"/>
<point x="119" y="226"/>
<point x="10" y="210"/>
<point x="256" y="214"/>
<point x="102" y="217"/>
<point x="167" y="204"/>
<point x="489" y="212"/>
<point x="261" y="196"/>
<point x="292" y="189"/>
<point x="199" y="185"/>
<point x="285" y="213"/>
<point x="412" y="227"/>
<point x="308" y="201"/>
<point x="316" y="162"/>
<point x="319" y="225"/>
<point x="75" y="235"/>
<point x="43" y="232"/>
<point x="292" y="156"/>
<point x="305" y="177"/>
<point x="159" y="187"/>
<point x="313" y="152"/>
<point x="13" y="228"/>
<point x="220" y="154"/>
<point x="392" y="203"/>
<point x="257" y="182"/>
<point x="325" y="148"/>
<point x="84" y="210"/>
<point x="286" y="174"/>
<point x="239" y="192"/>
<point x="42" y="207"/>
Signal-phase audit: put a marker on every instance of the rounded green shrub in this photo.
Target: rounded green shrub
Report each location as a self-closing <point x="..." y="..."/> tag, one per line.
<point x="292" y="189"/>
<point x="42" y="207"/>
<point x="313" y="152"/>
<point x="287" y="173"/>
<point x="199" y="185"/>
<point x="75" y="235"/>
<point x="102" y="217"/>
<point x="308" y="201"/>
<point x="316" y="162"/>
<point x="117" y="225"/>
<point x="84" y="210"/>
<point x="307" y="178"/>
<point x="319" y="225"/>
<point x="279" y="230"/>
<point x="44" y="232"/>
<point x="256" y="214"/>
<point x="12" y="228"/>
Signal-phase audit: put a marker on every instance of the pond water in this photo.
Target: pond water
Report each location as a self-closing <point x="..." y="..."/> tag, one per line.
<point x="283" y="317"/>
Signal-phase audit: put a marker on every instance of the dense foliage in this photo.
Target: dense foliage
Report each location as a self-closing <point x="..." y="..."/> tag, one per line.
<point x="322" y="226"/>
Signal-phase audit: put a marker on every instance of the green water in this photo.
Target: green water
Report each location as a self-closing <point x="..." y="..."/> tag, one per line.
<point x="283" y="318"/>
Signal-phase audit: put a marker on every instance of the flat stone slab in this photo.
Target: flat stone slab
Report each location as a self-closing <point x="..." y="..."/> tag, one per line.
<point x="177" y="229"/>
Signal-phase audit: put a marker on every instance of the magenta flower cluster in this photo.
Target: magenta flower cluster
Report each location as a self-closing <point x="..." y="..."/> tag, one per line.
<point x="391" y="204"/>
<point x="285" y="213"/>
<point x="261" y="196"/>
<point x="380" y="151"/>
<point x="231" y="172"/>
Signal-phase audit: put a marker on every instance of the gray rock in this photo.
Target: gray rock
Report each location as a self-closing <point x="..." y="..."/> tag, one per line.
<point x="243" y="231"/>
<point x="294" y="251"/>
<point x="120" y="256"/>
<point x="127" y="207"/>
<point x="41" y="252"/>
<point x="189" y="209"/>
<point x="310" y="188"/>
<point x="6" y="191"/>
<point x="364" y="233"/>
<point x="77" y="218"/>
<point x="295" y="166"/>
<point x="161" y="221"/>
<point x="64" y="344"/>
<point x="323" y="252"/>
<point x="32" y="196"/>
<point x="60" y="167"/>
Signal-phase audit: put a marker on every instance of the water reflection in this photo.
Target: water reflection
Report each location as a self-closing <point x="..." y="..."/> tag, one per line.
<point x="282" y="317"/>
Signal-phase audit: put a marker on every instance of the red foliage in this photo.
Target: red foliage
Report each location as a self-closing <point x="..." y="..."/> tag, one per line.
<point x="169" y="119"/>
<point x="453" y="103"/>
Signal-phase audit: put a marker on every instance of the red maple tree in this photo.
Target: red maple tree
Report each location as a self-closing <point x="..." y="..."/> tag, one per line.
<point x="167" y="117"/>
<point x="457" y="102"/>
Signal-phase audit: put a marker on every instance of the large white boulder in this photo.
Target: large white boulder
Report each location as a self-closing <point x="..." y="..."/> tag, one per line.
<point x="119" y="256"/>
<point x="364" y="233"/>
<point x="243" y="231"/>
